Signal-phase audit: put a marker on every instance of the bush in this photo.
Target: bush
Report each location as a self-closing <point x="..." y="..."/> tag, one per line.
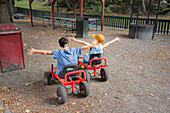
<point x="97" y="8"/>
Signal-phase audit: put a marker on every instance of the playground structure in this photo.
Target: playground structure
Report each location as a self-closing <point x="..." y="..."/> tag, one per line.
<point x="143" y="31"/>
<point x="74" y="2"/>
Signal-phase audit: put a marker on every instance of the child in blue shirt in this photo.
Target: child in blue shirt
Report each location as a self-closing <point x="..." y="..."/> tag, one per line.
<point x="64" y="56"/>
<point x="97" y="47"/>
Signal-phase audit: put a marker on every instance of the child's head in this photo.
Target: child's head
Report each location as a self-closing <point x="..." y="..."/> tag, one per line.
<point x="99" y="37"/>
<point x="63" y="42"/>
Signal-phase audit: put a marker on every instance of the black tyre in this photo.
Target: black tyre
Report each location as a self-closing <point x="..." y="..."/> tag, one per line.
<point x="87" y="76"/>
<point x="47" y="78"/>
<point x="104" y="73"/>
<point x="84" y="88"/>
<point x="61" y="95"/>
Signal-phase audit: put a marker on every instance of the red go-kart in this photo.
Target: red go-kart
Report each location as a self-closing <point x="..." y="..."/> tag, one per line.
<point x="71" y="79"/>
<point x="95" y="62"/>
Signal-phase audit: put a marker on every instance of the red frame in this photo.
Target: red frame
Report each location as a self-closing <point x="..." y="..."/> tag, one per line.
<point x="65" y="82"/>
<point x="94" y="67"/>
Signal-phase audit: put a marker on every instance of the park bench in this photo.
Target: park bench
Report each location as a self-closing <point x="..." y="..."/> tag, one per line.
<point x="65" y="24"/>
<point x="61" y="21"/>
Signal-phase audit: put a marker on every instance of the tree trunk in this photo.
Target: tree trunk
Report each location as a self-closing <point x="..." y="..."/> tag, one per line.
<point x="143" y="7"/>
<point x="6" y="10"/>
<point x="68" y="5"/>
<point x="48" y="3"/>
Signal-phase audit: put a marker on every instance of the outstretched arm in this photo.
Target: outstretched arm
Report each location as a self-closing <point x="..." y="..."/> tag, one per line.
<point x="108" y="43"/>
<point x="86" y="46"/>
<point x="78" y="41"/>
<point x="32" y="51"/>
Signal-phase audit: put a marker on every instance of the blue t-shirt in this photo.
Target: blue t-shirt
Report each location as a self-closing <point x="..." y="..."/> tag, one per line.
<point x="94" y="51"/>
<point x="66" y="57"/>
<point x="97" y="49"/>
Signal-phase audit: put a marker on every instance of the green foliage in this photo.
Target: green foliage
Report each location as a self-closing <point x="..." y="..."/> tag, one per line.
<point x="116" y="6"/>
<point x="97" y="8"/>
<point x="162" y="10"/>
<point x="40" y="5"/>
<point x="19" y="0"/>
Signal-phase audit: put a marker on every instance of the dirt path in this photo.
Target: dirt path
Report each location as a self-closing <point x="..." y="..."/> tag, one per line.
<point x="139" y="76"/>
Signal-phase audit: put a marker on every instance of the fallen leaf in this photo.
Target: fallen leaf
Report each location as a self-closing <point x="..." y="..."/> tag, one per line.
<point x="6" y="89"/>
<point x="117" y="55"/>
<point x="151" y="94"/>
<point x="28" y="84"/>
<point x="27" y="111"/>
<point x="130" y="61"/>
<point x="73" y="103"/>
<point x="1" y="108"/>
<point x="27" y="71"/>
<point x="140" y="68"/>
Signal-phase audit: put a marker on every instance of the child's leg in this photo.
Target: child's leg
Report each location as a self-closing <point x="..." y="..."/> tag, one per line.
<point x="86" y="58"/>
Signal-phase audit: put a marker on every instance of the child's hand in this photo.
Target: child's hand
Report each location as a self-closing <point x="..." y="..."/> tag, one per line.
<point x="72" y="38"/>
<point x="117" y="39"/>
<point x="31" y="51"/>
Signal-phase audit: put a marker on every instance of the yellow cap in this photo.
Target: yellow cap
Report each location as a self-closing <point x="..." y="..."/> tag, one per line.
<point x="98" y="37"/>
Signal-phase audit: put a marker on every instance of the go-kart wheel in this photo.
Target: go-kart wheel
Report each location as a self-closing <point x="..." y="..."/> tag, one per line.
<point x="47" y="78"/>
<point x="104" y="74"/>
<point x="87" y="76"/>
<point x="61" y="95"/>
<point x="84" y="88"/>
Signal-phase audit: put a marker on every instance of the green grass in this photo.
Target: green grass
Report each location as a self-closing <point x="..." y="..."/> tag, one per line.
<point x="38" y="5"/>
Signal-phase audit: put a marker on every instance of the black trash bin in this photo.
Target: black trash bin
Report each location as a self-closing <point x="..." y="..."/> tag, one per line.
<point x="145" y="31"/>
<point x="82" y="26"/>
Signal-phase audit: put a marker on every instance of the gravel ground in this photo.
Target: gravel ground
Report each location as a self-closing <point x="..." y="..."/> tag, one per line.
<point x="139" y="76"/>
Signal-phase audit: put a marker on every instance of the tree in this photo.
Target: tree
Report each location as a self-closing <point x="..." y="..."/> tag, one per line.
<point x="6" y="11"/>
<point x="68" y="5"/>
<point x="143" y="7"/>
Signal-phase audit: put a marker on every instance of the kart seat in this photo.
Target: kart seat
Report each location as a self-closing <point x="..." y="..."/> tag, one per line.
<point x="95" y="62"/>
<point x="68" y="68"/>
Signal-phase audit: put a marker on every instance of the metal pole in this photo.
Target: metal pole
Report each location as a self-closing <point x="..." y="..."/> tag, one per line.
<point x="30" y="11"/>
<point x="81" y="8"/>
<point x="155" y="27"/>
<point x="75" y="9"/>
<point x="102" y="24"/>
<point x="137" y="20"/>
<point x="147" y="22"/>
<point x="52" y="14"/>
